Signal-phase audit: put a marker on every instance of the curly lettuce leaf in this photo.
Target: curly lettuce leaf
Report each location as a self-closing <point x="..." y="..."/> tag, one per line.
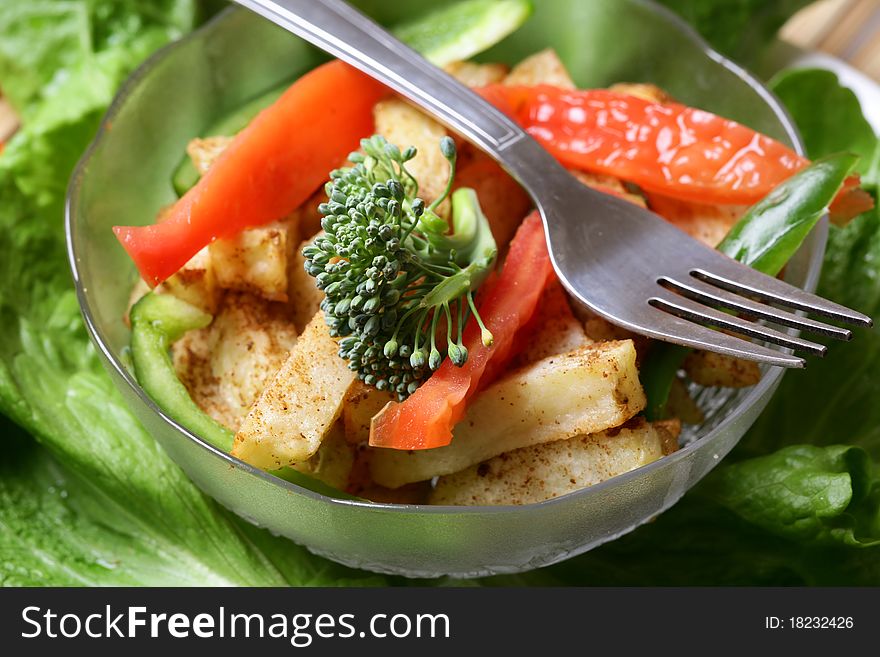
<point x="44" y="39"/>
<point x="101" y="528"/>
<point x="807" y="493"/>
<point x="838" y="127"/>
<point x="701" y="543"/>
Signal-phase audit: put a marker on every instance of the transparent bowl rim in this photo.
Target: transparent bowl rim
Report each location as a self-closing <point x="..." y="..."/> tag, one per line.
<point x="770" y="378"/>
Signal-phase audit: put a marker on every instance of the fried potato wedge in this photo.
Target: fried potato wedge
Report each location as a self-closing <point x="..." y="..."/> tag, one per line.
<point x="361" y="403"/>
<point x="710" y="369"/>
<point x="553" y="329"/>
<point x="303" y="296"/>
<point x="707" y="223"/>
<point x="226" y="365"/>
<point x="473" y="74"/>
<point x="643" y="90"/>
<point x="543" y="67"/>
<point x="196" y="282"/>
<point x="203" y="152"/>
<point x="299" y="405"/>
<point x="403" y="125"/>
<point x="255" y="260"/>
<point x="334" y="460"/>
<point x="591" y="389"/>
<point x="541" y="472"/>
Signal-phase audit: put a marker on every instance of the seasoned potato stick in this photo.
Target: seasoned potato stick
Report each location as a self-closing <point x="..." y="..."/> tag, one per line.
<point x="540" y="472"/>
<point x="255" y="260"/>
<point x="303" y="296"/>
<point x="710" y="369"/>
<point x="476" y="75"/>
<point x="588" y="390"/>
<point x="196" y="283"/>
<point x="299" y="406"/>
<point x="203" y="152"/>
<point x="361" y="403"/>
<point x="333" y="461"/>
<point x="707" y="223"/>
<point x="226" y="365"/>
<point x="403" y="125"/>
<point x="552" y="330"/>
<point x="543" y="67"/>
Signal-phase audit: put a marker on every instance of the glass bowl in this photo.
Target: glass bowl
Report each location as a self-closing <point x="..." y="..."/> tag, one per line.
<point x="125" y="178"/>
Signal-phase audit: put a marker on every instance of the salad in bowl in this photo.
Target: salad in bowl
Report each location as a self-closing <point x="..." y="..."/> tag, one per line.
<point x="351" y="299"/>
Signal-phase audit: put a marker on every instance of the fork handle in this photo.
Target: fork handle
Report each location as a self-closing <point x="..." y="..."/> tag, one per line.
<point x="339" y="29"/>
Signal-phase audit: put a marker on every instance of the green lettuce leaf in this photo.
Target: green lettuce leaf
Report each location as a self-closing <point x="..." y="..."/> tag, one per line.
<point x="845" y="385"/>
<point x="839" y="126"/>
<point x="804" y="492"/>
<point x="701" y="543"/>
<point x="108" y="526"/>
<point x="44" y="39"/>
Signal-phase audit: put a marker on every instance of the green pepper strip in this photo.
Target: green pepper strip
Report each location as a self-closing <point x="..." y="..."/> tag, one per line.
<point x="157" y="320"/>
<point x="766" y="237"/>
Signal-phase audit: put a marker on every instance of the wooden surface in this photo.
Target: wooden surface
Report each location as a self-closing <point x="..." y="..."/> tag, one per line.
<point x="848" y="29"/>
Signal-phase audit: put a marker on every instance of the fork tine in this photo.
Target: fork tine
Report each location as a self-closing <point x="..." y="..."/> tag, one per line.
<point x="711" y="295"/>
<point x="740" y="279"/>
<point x="684" y="307"/>
<point x="682" y="331"/>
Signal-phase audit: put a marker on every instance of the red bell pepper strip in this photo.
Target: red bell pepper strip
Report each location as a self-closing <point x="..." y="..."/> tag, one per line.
<point x="666" y="148"/>
<point x="267" y="171"/>
<point x="425" y="420"/>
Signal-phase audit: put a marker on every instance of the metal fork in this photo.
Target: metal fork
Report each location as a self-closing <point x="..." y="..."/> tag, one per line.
<point x="624" y="263"/>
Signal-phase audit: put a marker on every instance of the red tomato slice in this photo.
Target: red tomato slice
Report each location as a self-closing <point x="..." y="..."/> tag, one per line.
<point x="425" y="420"/>
<point x="268" y="170"/>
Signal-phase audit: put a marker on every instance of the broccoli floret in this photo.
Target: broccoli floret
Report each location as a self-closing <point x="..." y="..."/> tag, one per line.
<point x="392" y="270"/>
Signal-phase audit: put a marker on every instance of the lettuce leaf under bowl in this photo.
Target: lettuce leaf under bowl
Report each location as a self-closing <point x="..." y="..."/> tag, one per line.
<point x="839" y="126"/>
<point x="113" y="522"/>
<point x="845" y="385"/>
<point x="99" y="503"/>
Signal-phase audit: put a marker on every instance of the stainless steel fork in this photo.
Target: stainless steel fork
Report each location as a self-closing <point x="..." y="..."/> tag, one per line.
<point x="624" y="263"/>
